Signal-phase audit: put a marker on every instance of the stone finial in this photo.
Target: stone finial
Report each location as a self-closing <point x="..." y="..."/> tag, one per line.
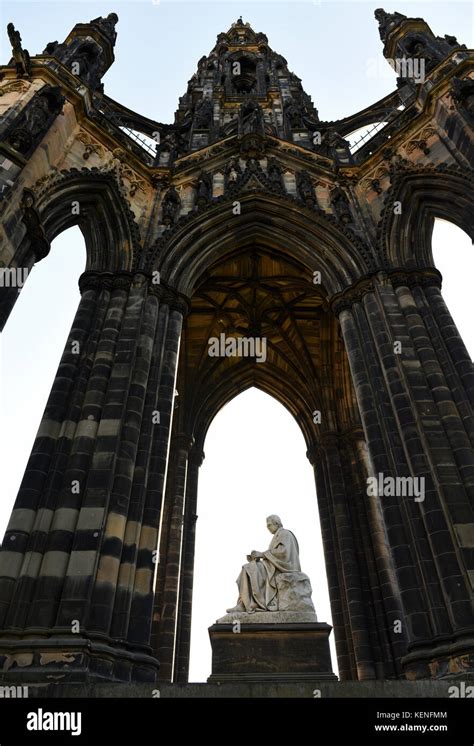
<point x="107" y="25"/>
<point x="387" y="21"/>
<point x="21" y="56"/>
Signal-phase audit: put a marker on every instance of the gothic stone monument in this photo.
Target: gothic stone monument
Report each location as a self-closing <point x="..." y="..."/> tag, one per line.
<point x="273" y="633"/>
<point x="253" y="217"/>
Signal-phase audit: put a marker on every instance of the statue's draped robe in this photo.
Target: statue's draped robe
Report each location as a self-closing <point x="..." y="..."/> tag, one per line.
<point x="257" y="582"/>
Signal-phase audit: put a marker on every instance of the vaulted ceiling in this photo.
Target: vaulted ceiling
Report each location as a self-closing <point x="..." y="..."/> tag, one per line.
<point x="258" y="294"/>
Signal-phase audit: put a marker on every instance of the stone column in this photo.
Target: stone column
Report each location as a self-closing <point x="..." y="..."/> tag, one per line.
<point x="411" y="380"/>
<point x="167" y="594"/>
<point x="345" y="658"/>
<point x="452" y="352"/>
<point x="379" y="588"/>
<point x="346" y="573"/>
<point x="76" y="570"/>
<point x="168" y="353"/>
<point x="183" y="633"/>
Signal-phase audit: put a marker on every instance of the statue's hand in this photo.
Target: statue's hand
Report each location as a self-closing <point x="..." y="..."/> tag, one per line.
<point x="256" y="555"/>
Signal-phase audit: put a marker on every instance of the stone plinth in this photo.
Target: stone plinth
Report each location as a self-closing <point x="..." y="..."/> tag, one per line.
<point x="262" y="647"/>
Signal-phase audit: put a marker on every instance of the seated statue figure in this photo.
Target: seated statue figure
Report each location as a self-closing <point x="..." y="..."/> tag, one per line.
<point x="257" y="584"/>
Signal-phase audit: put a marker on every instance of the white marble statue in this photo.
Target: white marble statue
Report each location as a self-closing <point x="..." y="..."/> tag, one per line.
<point x="272" y="581"/>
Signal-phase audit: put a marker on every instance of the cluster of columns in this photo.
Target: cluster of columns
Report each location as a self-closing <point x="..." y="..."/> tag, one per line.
<point x="78" y="561"/>
<point x="414" y="382"/>
<point x="171" y="638"/>
<point x="362" y="588"/>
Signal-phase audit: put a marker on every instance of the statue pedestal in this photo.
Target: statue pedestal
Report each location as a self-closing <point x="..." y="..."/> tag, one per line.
<point x="268" y="647"/>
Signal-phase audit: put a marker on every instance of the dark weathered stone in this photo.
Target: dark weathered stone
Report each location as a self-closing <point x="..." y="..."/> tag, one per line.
<point x="270" y="652"/>
<point x="251" y="217"/>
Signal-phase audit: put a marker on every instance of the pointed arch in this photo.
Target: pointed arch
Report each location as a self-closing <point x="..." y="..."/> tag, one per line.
<point x="88" y="198"/>
<point x="101" y="212"/>
<point x="270" y="381"/>
<point x="453" y="257"/>
<point x="318" y="241"/>
<point x="423" y="195"/>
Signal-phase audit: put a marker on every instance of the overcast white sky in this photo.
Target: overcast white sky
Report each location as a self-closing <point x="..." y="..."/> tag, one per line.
<point x="255" y="454"/>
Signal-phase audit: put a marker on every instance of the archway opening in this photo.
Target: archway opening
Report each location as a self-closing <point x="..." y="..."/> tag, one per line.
<point x="255" y="465"/>
<point x="31" y="347"/>
<point x="454" y="257"/>
<point x="244" y="75"/>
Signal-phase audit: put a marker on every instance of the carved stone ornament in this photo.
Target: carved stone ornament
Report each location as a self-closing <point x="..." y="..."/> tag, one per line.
<point x="171" y="205"/>
<point x="34" y="228"/>
<point x="21" y="56"/>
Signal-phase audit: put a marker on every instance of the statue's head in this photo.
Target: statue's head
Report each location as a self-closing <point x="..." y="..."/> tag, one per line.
<point x="274" y="523"/>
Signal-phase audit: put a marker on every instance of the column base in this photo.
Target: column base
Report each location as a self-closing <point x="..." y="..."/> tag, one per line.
<point x="271" y="653"/>
<point x="73" y="660"/>
<point x="451" y="660"/>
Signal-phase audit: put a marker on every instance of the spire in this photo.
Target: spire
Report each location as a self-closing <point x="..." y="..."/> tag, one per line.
<point x="107" y="26"/>
<point x="387" y="21"/>
<point x="88" y="50"/>
<point x="410" y="44"/>
<point x="243" y="88"/>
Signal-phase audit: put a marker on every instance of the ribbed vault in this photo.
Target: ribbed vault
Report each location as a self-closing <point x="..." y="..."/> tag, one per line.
<point x="255" y="293"/>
